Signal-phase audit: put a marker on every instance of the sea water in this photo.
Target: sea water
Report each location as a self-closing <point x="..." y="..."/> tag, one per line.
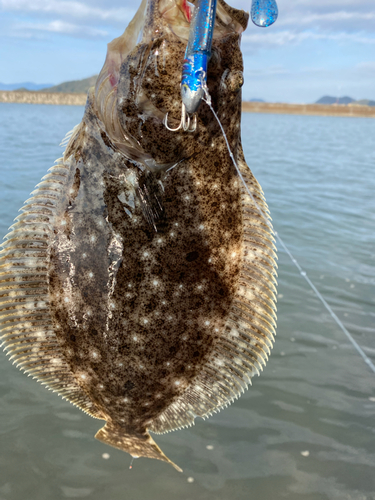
<point x="305" y="430"/>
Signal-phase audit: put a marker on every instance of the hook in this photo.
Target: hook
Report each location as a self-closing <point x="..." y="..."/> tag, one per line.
<point x="184" y="123"/>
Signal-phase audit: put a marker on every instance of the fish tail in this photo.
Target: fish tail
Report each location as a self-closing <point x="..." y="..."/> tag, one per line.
<point x="137" y="445"/>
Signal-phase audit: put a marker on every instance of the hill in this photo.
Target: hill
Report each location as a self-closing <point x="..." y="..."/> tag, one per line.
<point x="24" y="86"/>
<point x="74" y="87"/>
<point x="365" y="102"/>
<point x="327" y="99"/>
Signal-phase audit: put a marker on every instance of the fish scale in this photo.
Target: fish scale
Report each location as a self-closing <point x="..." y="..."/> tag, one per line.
<point x="139" y="280"/>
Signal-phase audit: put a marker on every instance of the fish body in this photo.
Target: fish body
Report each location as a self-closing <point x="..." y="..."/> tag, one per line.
<point x="139" y="280"/>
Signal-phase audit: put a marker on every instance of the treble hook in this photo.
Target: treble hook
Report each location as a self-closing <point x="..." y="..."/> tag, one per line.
<point x="184" y="123"/>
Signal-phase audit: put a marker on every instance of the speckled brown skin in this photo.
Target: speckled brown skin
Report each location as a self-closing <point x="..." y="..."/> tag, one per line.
<point x="158" y="287"/>
<point x="159" y="304"/>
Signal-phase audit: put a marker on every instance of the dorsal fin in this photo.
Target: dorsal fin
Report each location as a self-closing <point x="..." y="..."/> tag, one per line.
<point x="26" y="328"/>
<point x="244" y="345"/>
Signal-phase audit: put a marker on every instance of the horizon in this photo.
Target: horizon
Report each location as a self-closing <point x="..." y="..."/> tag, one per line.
<point x="46" y="87"/>
<point x="315" y="48"/>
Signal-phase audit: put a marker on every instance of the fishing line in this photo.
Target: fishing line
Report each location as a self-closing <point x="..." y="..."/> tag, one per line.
<point x="367" y="360"/>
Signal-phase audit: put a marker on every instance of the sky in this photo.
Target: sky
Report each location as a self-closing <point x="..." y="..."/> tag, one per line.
<point x="315" y="48"/>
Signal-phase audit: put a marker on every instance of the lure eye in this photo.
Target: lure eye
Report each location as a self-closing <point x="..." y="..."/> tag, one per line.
<point x="200" y="74"/>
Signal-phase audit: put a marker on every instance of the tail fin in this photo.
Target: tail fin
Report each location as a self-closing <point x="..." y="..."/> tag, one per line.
<point x="137" y="445"/>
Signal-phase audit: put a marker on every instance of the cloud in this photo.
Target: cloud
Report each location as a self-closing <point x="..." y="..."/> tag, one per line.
<point x="327" y="17"/>
<point x="333" y="16"/>
<point x="70" y="9"/>
<point x="60" y="27"/>
<point x="288" y="37"/>
<point x="367" y="67"/>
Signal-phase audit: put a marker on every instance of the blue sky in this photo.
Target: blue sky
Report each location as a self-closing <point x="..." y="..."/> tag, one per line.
<point x="316" y="47"/>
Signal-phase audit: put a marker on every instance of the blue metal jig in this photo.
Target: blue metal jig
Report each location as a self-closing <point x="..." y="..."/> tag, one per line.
<point x="194" y="69"/>
<point x="197" y="55"/>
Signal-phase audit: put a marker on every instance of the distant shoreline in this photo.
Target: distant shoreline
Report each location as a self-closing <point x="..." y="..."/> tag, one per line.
<point x="31" y="97"/>
<point x="309" y="109"/>
<point x="13" y="96"/>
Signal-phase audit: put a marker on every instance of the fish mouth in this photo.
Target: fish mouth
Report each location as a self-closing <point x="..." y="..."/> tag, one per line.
<point x="122" y="99"/>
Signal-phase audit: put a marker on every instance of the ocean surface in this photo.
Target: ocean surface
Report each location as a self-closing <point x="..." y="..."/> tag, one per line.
<point x="305" y="430"/>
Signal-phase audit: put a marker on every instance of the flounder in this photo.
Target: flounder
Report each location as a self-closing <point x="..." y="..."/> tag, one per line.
<point x="139" y="280"/>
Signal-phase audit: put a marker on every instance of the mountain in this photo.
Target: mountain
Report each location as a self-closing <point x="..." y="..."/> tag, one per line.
<point x="257" y="100"/>
<point x="334" y="100"/>
<point x="365" y="102"/>
<point x="24" y="86"/>
<point x="75" y="86"/>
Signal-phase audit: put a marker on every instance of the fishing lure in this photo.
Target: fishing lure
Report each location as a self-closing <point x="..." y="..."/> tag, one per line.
<point x="198" y="52"/>
<point x="194" y="69"/>
<point x="264" y="12"/>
